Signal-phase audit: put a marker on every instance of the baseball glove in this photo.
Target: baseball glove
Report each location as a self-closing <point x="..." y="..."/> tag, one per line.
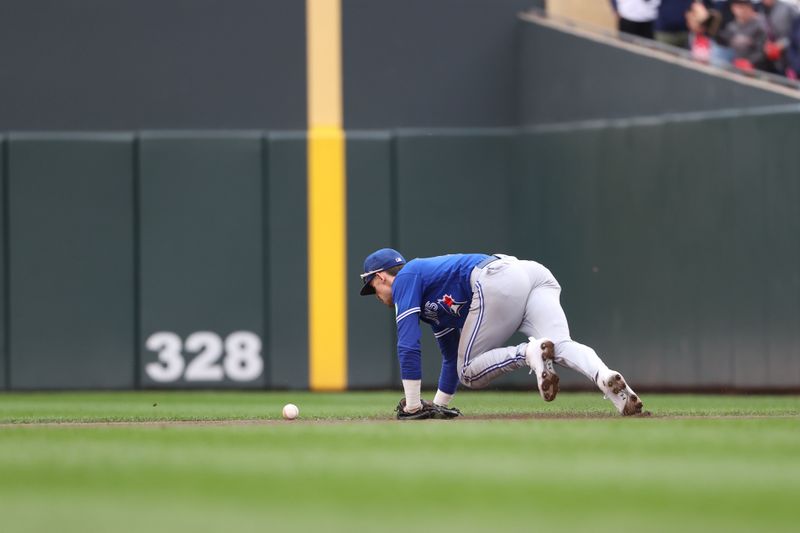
<point x="428" y="410"/>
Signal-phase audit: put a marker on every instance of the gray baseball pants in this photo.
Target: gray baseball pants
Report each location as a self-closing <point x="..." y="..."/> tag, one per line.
<point x="510" y="295"/>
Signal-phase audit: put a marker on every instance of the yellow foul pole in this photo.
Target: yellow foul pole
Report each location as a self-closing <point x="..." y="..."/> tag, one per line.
<point x="327" y="199"/>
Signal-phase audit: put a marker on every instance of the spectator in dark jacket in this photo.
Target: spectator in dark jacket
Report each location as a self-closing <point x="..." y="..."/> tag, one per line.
<point x="793" y="51"/>
<point x="723" y="7"/>
<point x="670" y="26"/>
<point x="779" y="16"/>
<point x="746" y="35"/>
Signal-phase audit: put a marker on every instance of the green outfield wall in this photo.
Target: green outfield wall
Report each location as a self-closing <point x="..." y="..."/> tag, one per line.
<point x="286" y="262"/>
<point x="70" y="277"/>
<point x="201" y="250"/>
<point x="172" y="259"/>
<point x="3" y="267"/>
<point x="675" y="240"/>
<point x="371" y="224"/>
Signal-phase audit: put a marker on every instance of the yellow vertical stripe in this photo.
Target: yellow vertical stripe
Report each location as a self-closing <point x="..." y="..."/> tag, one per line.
<point x="324" y="58"/>
<point x="327" y="199"/>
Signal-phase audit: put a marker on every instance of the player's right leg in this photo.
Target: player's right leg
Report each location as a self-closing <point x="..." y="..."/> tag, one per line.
<point x="616" y="389"/>
<point x="585" y="360"/>
<point x="545" y="317"/>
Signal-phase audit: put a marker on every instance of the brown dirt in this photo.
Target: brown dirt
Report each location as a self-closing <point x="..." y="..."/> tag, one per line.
<point x="464" y="419"/>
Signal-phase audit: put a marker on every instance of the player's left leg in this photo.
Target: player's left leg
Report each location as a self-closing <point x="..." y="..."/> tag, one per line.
<point x="500" y="292"/>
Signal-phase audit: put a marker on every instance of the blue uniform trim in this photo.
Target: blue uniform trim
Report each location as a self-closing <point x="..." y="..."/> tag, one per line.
<point x="472" y="337"/>
<point x="407" y="313"/>
<point x="440" y="334"/>
<point x="496" y="367"/>
<point x="489" y="260"/>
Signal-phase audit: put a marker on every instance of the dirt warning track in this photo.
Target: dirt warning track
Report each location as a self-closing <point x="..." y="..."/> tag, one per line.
<point x="386" y="420"/>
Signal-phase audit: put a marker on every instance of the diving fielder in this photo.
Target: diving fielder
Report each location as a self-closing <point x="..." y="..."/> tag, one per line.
<point x="474" y="303"/>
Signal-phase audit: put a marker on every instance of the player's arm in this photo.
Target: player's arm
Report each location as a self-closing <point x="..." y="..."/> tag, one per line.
<point x="410" y="356"/>
<point x="407" y="295"/>
<point x="448" y="378"/>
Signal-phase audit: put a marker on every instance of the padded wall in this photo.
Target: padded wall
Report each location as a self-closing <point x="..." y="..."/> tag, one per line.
<point x="3" y="281"/>
<point x="287" y="260"/>
<point x="676" y="244"/>
<point x="201" y="260"/>
<point x="71" y="261"/>
<point x="372" y="359"/>
<point x="674" y="240"/>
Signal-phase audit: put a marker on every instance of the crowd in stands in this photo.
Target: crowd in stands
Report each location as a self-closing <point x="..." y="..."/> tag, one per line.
<point x="747" y="34"/>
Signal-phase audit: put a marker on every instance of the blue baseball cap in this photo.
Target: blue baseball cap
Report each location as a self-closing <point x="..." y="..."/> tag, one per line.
<point x="378" y="261"/>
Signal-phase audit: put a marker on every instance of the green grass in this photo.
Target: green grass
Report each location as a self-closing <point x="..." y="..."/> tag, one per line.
<point x="701" y="463"/>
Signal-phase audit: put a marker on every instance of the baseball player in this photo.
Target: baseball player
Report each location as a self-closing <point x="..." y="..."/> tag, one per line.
<point x="474" y="303"/>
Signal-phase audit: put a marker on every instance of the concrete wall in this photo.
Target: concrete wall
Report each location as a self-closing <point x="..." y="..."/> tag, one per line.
<point x="565" y="77"/>
<point x="144" y="64"/>
<point x="241" y="64"/>
<point x="419" y="63"/>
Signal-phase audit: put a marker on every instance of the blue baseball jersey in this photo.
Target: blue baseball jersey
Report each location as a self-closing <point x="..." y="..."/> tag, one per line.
<point x="434" y="290"/>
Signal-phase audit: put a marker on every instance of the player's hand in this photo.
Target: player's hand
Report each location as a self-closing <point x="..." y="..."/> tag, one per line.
<point x="428" y="410"/>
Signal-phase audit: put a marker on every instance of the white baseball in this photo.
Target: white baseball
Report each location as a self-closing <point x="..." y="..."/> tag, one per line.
<point x="290" y="411"/>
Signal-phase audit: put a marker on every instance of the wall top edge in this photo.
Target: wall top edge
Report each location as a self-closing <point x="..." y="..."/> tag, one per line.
<point x="69" y="136"/>
<point x="130" y="135"/>
<point x="455" y="132"/>
<point x="653" y="120"/>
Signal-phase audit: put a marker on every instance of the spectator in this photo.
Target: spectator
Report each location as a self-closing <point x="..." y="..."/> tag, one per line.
<point x="793" y="51"/>
<point x="721" y="54"/>
<point x="723" y="7"/>
<point x="779" y="17"/>
<point x="746" y="35"/>
<point x="636" y="17"/>
<point x="670" y="25"/>
<point x="704" y="25"/>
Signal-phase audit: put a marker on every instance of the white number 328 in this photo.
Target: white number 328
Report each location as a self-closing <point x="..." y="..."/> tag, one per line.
<point x="242" y="361"/>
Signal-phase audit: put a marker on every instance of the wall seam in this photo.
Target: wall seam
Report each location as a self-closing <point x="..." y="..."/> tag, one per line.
<point x="4" y="177"/>
<point x="394" y="238"/>
<point x="137" y="270"/>
<point x="266" y="271"/>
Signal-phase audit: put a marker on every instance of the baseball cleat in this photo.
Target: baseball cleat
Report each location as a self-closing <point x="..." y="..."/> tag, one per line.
<point x="539" y="355"/>
<point x="621" y="395"/>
